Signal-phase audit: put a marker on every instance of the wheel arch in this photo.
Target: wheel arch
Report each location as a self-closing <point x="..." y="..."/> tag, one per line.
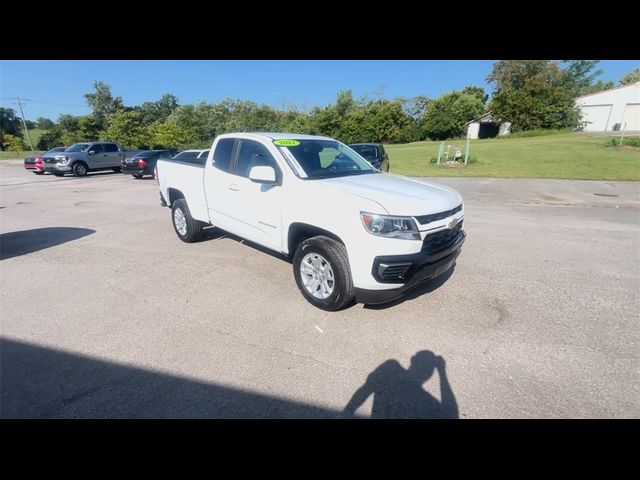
<point x="299" y="232"/>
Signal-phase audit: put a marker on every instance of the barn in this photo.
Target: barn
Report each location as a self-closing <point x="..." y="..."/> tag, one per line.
<point x="487" y="127"/>
<point x="611" y="110"/>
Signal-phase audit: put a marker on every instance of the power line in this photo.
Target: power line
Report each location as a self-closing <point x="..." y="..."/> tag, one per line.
<point x="48" y="103"/>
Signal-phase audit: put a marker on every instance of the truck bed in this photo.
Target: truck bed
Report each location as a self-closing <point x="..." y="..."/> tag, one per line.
<point x="185" y="177"/>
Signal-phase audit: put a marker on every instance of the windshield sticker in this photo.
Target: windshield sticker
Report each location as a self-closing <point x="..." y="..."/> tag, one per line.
<point x="293" y="162"/>
<point x="286" y="143"/>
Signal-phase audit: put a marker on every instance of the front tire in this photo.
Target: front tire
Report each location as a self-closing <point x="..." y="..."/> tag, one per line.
<point x="80" y="169"/>
<point x="187" y="229"/>
<point x="322" y="273"/>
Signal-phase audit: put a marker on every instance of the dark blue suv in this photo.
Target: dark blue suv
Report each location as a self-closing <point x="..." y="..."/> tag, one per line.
<point x="373" y="153"/>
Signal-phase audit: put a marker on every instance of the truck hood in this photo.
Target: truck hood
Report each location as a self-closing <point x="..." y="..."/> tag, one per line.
<point x="397" y="194"/>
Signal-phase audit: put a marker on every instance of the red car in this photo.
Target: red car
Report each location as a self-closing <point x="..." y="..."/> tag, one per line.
<point x="36" y="164"/>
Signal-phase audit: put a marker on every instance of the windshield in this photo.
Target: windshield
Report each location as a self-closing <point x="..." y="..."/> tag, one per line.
<point x="322" y="158"/>
<point x="370" y="152"/>
<point x="78" y="147"/>
<point x="186" y="155"/>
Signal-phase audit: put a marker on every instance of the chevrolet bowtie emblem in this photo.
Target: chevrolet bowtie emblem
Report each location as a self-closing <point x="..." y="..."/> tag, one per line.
<point x="454" y="222"/>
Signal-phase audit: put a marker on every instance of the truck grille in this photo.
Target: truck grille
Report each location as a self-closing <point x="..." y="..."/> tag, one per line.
<point x="424" y="219"/>
<point x="443" y="239"/>
<point x="49" y="160"/>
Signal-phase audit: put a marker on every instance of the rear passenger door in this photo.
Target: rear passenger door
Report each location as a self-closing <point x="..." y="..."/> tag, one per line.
<point x="97" y="158"/>
<point x="219" y="185"/>
<point x="112" y="155"/>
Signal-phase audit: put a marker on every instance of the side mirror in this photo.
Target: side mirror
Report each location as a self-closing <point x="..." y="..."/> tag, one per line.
<point x="262" y="174"/>
<point x="92" y="152"/>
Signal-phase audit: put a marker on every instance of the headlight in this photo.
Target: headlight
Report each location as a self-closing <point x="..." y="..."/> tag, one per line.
<point x="62" y="160"/>
<point x="391" y="227"/>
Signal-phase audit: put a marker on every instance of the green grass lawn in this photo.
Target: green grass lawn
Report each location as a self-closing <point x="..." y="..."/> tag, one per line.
<point x="35" y="134"/>
<point x="573" y="156"/>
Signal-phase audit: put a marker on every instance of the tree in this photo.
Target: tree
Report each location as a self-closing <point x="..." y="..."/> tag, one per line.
<point x="158" y="111"/>
<point x="532" y="94"/>
<point x="9" y="123"/>
<point x="44" y="123"/>
<point x="632" y="77"/>
<point x="344" y="102"/>
<point x="51" y="138"/>
<point x="13" y="143"/>
<point x="476" y="92"/>
<point x="597" y="87"/>
<point x="103" y="104"/>
<point x="127" y="129"/>
<point x="581" y="75"/>
<point x="446" y="116"/>
<point x="171" y="134"/>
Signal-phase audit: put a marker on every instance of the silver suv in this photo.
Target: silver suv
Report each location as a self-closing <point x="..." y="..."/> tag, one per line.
<point x="81" y="158"/>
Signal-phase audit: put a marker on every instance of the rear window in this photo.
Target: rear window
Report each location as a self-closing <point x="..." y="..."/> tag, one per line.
<point x="222" y="154"/>
<point x="144" y="153"/>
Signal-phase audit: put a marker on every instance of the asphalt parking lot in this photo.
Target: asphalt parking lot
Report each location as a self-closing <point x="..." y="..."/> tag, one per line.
<point x="106" y="313"/>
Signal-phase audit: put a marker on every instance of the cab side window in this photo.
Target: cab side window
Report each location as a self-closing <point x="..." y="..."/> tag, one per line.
<point x="222" y="154"/>
<point x="253" y="154"/>
<point x="97" y="148"/>
<point x="110" y="147"/>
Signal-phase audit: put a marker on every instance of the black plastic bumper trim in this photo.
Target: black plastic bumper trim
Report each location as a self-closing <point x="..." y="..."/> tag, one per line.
<point x="424" y="273"/>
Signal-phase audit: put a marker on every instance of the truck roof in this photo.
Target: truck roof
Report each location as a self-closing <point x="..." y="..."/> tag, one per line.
<point x="279" y="135"/>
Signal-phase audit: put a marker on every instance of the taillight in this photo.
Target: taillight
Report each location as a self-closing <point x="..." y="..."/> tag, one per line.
<point x="142" y="163"/>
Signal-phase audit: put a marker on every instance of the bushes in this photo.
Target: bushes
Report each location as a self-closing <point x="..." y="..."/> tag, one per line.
<point x="537" y="133"/>
<point x="629" y="142"/>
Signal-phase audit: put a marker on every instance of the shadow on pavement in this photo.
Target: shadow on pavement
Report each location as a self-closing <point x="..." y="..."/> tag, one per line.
<point x="14" y="244"/>
<point x="39" y="382"/>
<point x="398" y="393"/>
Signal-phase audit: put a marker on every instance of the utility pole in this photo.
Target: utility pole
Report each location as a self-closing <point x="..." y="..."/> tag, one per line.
<point x="24" y="124"/>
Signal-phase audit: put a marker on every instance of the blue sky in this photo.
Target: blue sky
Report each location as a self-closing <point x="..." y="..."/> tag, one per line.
<point x="57" y="86"/>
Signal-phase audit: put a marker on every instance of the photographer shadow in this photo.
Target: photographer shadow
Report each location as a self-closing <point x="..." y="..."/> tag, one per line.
<point x="398" y="393"/>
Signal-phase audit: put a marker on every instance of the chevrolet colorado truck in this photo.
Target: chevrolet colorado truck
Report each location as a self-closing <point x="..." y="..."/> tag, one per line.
<point x="352" y="231"/>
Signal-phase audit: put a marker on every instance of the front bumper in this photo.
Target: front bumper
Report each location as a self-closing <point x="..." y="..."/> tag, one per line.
<point x="56" y="168"/>
<point x="418" y="268"/>
<point x="34" y="166"/>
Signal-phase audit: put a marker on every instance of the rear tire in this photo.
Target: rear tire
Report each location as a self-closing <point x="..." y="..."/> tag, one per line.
<point x="187" y="229"/>
<point x="80" y="169"/>
<point x="117" y="169"/>
<point x="38" y="173"/>
<point x="136" y="175"/>
<point x="334" y="256"/>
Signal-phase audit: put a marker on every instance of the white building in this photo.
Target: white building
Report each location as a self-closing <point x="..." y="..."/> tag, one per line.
<point x="486" y="127"/>
<point x="611" y="110"/>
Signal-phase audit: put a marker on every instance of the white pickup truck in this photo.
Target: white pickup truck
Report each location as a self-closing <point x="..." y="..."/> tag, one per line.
<point x="354" y="232"/>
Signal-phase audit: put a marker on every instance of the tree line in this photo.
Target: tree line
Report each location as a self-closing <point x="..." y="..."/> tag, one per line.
<point x="531" y="94"/>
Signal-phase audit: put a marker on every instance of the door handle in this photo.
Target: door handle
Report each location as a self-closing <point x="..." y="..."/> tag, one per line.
<point x="233" y="187"/>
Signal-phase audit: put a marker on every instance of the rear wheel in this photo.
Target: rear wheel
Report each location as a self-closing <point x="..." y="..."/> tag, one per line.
<point x="80" y="169"/>
<point x="322" y="273"/>
<point x="187" y="229"/>
<point x="117" y="169"/>
<point x="136" y="175"/>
